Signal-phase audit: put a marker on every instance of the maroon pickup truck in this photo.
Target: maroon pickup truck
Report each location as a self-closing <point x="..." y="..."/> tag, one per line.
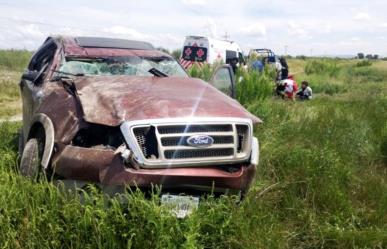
<point x="120" y="113"/>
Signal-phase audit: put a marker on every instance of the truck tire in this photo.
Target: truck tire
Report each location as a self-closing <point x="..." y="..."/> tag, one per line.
<point x="30" y="163"/>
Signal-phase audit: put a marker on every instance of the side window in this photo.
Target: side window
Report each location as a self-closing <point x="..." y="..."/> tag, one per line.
<point x="241" y="58"/>
<point x="223" y="80"/>
<point x="230" y="55"/>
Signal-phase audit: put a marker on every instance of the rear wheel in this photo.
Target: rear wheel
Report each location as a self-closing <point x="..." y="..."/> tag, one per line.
<point x="30" y="163"/>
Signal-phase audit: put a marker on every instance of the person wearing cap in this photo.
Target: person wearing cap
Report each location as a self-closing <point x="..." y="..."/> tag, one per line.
<point x="305" y="93"/>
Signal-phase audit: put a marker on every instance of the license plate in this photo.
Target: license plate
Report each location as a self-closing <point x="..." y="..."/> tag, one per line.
<point x="181" y="206"/>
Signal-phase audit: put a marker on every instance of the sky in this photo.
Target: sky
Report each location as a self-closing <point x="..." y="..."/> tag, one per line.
<point x="295" y="27"/>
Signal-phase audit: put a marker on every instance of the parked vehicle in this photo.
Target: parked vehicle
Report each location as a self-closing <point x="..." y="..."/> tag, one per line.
<point x="200" y="50"/>
<point x="120" y="113"/>
<point x="267" y="54"/>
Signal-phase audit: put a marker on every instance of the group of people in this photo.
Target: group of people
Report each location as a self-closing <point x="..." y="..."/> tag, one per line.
<point x="288" y="89"/>
<point x="286" y="86"/>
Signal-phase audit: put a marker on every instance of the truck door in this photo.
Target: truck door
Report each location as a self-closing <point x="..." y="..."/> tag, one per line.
<point x="32" y="81"/>
<point x="224" y="80"/>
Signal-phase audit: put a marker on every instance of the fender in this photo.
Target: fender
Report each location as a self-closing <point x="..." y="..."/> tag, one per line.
<point x="49" y="132"/>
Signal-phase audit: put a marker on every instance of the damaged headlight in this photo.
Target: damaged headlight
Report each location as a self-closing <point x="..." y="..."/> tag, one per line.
<point x="99" y="136"/>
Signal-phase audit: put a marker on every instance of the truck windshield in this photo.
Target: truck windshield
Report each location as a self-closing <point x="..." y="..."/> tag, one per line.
<point x="129" y="65"/>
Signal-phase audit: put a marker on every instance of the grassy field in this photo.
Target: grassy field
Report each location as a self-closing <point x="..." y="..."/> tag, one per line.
<point x="321" y="181"/>
<point x="12" y="64"/>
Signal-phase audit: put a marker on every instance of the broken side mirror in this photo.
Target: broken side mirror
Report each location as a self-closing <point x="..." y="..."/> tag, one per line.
<point x="30" y="76"/>
<point x="224" y="80"/>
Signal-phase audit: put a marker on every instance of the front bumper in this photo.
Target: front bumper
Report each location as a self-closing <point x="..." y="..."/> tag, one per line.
<point x="106" y="167"/>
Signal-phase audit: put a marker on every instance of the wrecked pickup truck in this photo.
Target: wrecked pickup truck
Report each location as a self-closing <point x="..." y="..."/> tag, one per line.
<point x="118" y="112"/>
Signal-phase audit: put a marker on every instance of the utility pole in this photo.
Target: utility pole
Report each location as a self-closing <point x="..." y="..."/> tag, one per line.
<point x="286" y="50"/>
<point x="226" y="36"/>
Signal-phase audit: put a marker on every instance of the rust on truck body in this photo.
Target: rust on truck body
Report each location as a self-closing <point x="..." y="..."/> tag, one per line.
<point x="79" y="106"/>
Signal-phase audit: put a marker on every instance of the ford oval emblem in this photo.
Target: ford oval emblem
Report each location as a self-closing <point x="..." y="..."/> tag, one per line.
<point x="200" y="141"/>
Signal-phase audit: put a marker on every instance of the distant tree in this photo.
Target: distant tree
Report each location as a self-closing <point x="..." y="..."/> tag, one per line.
<point x="163" y="50"/>
<point x="360" y="56"/>
<point x="369" y="56"/>
<point x="375" y="57"/>
<point x="301" y="57"/>
<point x="176" y="54"/>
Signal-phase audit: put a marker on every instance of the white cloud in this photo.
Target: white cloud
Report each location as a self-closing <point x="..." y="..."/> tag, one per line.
<point x="125" y="31"/>
<point x="301" y="25"/>
<point x="296" y="30"/>
<point x="362" y="16"/>
<point x="255" y="30"/>
<point x="326" y="29"/>
<point x="211" y="27"/>
<point x="31" y="31"/>
<point x="194" y="2"/>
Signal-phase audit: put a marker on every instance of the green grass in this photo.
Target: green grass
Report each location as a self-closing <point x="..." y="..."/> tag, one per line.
<point x="9" y="94"/>
<point x="321" y="181"/>
<point x="12" y="64"/>
<point x="14" y="60"/>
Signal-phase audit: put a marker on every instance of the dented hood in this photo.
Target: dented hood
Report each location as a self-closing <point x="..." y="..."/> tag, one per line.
<point x="110" y="100"/>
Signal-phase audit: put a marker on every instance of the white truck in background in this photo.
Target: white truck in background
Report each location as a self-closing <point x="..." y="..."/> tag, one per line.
<point x="200" y="50"/>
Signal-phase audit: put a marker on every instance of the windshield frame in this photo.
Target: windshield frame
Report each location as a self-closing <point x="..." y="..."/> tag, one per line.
<point x="64" y="59"/>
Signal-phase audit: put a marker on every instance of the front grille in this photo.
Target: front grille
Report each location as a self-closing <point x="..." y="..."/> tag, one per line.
<point x="147" y="140"/>
<point x="193" y="128"/>
<point x="182" y="141"/>
<point x="165" y="144"/>
<point x="202" y="153"/>
<point x="242" y="134"/>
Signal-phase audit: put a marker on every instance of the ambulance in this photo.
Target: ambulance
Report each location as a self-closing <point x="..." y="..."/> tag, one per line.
<point x="200" y="50"/>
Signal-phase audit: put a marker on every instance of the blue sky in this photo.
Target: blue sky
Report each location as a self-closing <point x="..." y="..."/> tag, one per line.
<point x="303" y="27"/>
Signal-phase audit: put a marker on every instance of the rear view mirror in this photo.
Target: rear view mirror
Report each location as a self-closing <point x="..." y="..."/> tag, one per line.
<point x="224" y="80"/>
<point x="30" y="75"/>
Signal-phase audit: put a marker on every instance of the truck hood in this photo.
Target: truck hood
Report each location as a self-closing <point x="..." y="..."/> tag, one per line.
<point x="110" y="100"/>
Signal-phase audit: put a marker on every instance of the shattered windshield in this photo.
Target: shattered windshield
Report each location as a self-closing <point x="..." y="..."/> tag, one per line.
<point x="128" y="65"/>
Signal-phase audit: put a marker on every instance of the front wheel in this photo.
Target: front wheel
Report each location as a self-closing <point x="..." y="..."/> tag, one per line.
<point x="30" y="163"/>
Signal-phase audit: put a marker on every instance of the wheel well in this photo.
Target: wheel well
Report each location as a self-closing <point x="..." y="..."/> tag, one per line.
<point x="37" y="131"/>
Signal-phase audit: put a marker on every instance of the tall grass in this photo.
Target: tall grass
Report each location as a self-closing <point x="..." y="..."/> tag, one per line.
<point x="9" y="93"/>
<point x="204" y="72"/>
<point x="14" y="60"/>
<point x="322" y="66"/>
<point x="321" y="183"/>
<point x="253" y="86"/>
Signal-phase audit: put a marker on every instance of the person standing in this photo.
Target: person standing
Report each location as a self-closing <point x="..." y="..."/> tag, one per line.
<point x="284" y="69"/>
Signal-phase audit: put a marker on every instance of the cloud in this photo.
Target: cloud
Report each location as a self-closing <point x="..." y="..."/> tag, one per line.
<point x="31" y="31"/>
<point x="362" y="16"/>
<point x="194" y="2"/>
<point x="255" y="30"/>
<point x="211" y="27"/>
<point x="326" y="29"/>
<point x="125" y="31"/>
<point x="383" y="25"/>
<point x="296" y="30"/>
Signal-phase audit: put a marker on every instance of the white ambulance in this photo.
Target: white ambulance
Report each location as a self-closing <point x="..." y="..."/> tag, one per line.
<point x="200" y="50"/>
